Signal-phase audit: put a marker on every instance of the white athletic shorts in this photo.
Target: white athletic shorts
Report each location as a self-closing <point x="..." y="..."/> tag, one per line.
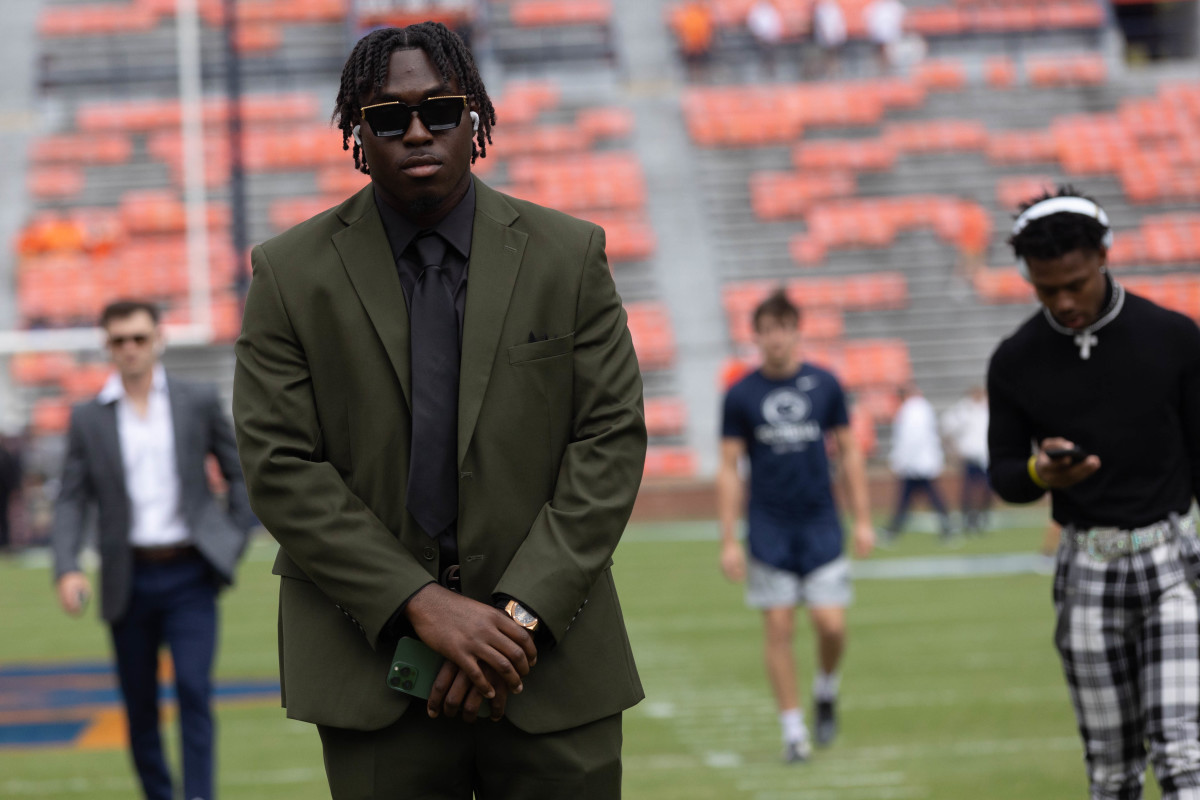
<point x="825" y="586"/>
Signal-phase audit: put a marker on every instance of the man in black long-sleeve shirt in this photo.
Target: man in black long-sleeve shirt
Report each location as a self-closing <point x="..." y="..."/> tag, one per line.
<point x="1112" y="382"/>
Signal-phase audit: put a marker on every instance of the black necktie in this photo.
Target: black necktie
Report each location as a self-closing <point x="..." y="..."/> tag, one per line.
<point x="432" y="467"/>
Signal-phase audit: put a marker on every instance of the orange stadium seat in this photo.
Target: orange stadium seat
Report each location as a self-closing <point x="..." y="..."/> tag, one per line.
<point x="340" y="180"/>
<point x="1017" y="189"/>
<point x="1021" y="147"/>
<point x="1000" y="73"/>
<point x="1179" y="292"/>
<point x="860" y="155"/>
<point x="670" y="462"/>
<point x="1002" y="286"/>
<point x="665" y="416"/>
<point x="935" y="136"/>
<point x="54" y="183"/>
<point x="95" y="19"/>
<point x="85" y="381"/>
<point x="290" y="211"/>
<point x="258" y="37"/>
<point x="605" y="122"/>
<point x="50" y="416"/>
<point x="779" y="195"/>
<point x="34" y="369"/>
<point x="628" y="237"/>
<point x="652" y="337"/>
<point x="1076" y="70"/>
<point x="110" y="148"/>
<point x="876" y="362"/>
<point x="1070" y="14"/>
<point x="941" y="75"/>
<point x="549" y="13"/>
<point x="936" y="20"/>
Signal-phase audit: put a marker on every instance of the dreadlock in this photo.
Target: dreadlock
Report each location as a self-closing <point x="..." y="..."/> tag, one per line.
<point x="1055" y="235"/>
<point x="366" y="71"/>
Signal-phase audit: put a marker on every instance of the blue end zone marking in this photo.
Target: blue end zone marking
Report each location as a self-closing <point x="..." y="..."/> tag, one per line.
<point x="31" y="734"/>
<point x="33" y="699"/>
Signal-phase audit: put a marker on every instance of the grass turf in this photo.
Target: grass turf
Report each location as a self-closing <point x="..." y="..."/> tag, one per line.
<point x="951" y="688"/>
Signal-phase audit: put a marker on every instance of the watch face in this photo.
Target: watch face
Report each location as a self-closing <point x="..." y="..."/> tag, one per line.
<point x="521" y="616"/>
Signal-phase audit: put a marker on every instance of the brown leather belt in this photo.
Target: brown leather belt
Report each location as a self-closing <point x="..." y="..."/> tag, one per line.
<point x="158" y="555"/>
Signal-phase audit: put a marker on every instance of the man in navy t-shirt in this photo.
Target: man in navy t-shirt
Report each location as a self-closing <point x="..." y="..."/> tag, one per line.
<point x="778" y="417"/>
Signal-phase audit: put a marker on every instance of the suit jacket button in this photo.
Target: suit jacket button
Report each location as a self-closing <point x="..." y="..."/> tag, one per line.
<point x="429" y="553"/>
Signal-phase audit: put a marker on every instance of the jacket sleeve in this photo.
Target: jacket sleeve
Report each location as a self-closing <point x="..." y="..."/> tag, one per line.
<point x="76" y="495"/>
<point x="339" y="543"/>
<point x="1010" y="439"/>
<point x="1189" y="405"/>
<point x="573" y="538"/>
<point x="224" y="449"/>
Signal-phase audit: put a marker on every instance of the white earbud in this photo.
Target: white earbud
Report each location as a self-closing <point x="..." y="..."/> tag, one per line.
<point x="474" y="121"/>
<point x="355" y="134"/>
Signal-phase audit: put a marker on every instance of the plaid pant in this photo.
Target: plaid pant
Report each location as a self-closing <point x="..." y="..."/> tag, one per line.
<point x="1128" y="634"/>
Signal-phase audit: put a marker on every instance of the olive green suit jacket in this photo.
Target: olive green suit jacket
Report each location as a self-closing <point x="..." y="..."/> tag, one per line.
<point x="551" y="445"/>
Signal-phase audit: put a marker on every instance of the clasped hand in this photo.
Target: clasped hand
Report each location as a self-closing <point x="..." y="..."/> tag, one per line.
<point x="487" y="653"/>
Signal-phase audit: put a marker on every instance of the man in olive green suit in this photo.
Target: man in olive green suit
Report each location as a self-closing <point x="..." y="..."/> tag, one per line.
<point x="345" y="336"/>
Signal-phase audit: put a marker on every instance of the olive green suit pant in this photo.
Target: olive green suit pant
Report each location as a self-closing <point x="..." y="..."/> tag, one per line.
<point x="419" y="758"/>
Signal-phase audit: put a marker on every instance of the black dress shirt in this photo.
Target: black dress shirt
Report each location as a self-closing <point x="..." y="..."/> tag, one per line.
<point x="456" y="228"/>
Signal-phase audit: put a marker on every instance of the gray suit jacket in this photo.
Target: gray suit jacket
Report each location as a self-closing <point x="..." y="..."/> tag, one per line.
<point x="94" y="474"/>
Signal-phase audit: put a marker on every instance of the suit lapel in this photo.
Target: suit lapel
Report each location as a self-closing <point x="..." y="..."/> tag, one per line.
<point x="496" y="252"/>
<point x="368" y="260"/>
<point x="180" y="420"/>
<point x="110" y="440"/>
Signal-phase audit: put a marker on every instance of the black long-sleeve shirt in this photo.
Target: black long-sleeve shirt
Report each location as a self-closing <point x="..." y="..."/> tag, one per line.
<point x="1134" y="402"/>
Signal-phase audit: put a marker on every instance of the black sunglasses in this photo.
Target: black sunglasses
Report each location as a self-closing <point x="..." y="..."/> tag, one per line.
<point x="117" y="342"/>
<point x="436" y="113"/>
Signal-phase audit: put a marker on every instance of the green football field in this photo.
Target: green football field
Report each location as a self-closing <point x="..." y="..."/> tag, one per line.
<point x="951" y="688"/>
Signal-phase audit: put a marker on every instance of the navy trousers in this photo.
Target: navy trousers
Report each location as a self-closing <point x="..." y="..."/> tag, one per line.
<point x="910" y="487"/>
<point x="173" y="603"/>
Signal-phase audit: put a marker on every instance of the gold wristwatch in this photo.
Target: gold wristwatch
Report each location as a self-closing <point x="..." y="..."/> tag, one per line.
<point x="522" y="616"/>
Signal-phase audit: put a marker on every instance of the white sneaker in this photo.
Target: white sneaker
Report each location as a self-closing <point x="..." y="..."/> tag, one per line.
<point x="797" y="752"/>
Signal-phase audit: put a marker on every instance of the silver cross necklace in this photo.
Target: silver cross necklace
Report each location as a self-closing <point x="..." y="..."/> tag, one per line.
<point x="1087" y="339"/>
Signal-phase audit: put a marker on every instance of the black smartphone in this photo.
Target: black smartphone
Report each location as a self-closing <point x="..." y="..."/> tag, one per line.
<point x="1075" y="454"/>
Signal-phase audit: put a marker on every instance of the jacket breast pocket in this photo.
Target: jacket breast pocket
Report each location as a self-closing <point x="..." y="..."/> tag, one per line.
<point x="538" y="351"/>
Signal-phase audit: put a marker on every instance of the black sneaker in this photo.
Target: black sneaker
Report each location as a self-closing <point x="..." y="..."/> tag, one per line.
<point x="797" y="752"/>
<point x="826" y="727"/>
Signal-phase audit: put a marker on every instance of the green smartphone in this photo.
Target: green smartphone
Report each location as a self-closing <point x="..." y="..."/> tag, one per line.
<point x="415" y="666"/>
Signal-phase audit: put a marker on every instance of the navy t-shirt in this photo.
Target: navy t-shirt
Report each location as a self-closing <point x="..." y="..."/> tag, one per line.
<point x="793" y="521"/>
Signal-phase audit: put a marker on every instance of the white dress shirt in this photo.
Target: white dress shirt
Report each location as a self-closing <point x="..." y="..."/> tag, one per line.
<point x="151" y="474"/>
<point x="916" y="446"/>
<point x="966" y="423"/>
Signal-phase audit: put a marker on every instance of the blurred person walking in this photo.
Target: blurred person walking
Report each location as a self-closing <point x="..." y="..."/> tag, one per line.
<point x="777" y="419"/>
<point x="966" y="426"/>
<point x="137" y="453"/>
<point x="917" y="460"/>
<point x="439" y="410"/>
<point x="1096" y="400"/>
<point x="885" y="28"/>
<point x="829" y="36"/>
<point x="766" y="26"/>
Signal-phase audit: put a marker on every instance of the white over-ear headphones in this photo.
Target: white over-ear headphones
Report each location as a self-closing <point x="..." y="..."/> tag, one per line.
<point x="1061" y="205"/>
<point x="474" y="121"/>
<point x="355" y="133"/>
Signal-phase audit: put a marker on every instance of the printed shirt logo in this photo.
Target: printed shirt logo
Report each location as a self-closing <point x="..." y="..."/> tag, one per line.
<point x="787" y="428"/>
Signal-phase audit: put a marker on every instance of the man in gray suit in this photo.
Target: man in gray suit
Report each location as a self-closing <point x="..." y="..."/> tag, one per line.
<point x="137" y="452"/>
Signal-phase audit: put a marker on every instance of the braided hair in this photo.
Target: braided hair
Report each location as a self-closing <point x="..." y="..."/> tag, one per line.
<point x="1055" y="235"/>
<point x="366" y="71"/>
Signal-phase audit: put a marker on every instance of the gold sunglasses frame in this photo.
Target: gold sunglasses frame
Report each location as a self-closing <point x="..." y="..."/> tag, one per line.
<point x="417" y="108"/>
